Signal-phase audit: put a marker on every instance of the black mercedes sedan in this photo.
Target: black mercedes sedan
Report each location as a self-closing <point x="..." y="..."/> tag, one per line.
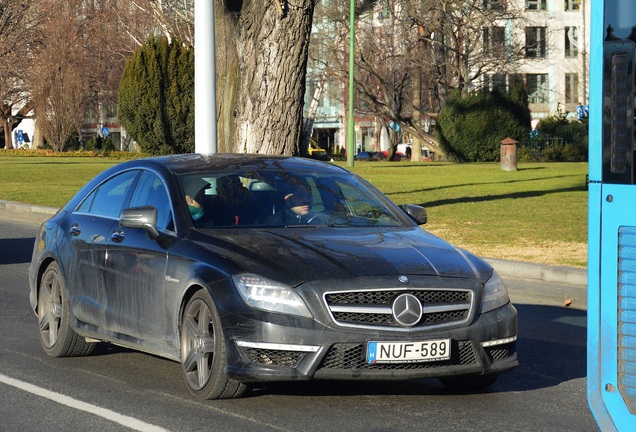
<point x="255" y="268"/>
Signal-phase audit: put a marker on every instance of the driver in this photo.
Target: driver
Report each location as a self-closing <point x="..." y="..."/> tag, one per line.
<point x="297" y="210"/>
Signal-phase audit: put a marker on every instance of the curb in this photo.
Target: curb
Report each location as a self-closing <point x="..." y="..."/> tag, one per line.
<point x="29" y="208"/>
<point x="540" y="272"/>
<point x="506" y="268"/>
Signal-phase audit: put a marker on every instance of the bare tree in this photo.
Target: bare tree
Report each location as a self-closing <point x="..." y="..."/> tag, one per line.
<point x="458" y="43"/>
<point x="432" y="47"/>
<point x="106" y="48"/>
<point x="17" y="24"/>
<point x="466" y="40"/>
<point x="175" y="18"/>
<point x="78" y="61"/>
<point x="137" y="20"/>
<point x="56" y="83"/>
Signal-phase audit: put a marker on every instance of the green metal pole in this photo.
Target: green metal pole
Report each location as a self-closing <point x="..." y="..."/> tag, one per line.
<point x="351" y="144"/>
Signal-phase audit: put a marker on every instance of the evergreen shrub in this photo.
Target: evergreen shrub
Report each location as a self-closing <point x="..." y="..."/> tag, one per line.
<point x="471" y="128"/>
<point x="156" y="97"/>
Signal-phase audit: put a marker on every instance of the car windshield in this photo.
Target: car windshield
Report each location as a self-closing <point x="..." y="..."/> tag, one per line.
<point x="283" y="199"/>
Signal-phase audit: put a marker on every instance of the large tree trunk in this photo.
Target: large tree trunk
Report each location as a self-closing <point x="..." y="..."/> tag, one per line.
<point x="227" y="73"/>
<point x="7" y="126"/>
<point x="8" y="129"/>
<point x="272" y="40"/>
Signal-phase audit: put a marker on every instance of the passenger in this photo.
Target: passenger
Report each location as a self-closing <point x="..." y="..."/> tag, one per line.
<point x="232" y="204"/>
<point x="194" y="206"/>
<point x="231" y="191"/>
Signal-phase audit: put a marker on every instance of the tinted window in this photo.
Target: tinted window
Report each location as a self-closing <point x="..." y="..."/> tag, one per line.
<point x="278" y="198"/>
<point x="151" y="191"/>
<point x="107" y="199"/>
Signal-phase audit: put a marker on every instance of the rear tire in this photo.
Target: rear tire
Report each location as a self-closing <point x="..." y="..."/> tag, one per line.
<point x="469" y="382"/>
<point x="56" y="335"/>
<point x="203" y="351"/>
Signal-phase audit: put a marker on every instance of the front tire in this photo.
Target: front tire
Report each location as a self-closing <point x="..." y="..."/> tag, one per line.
<point x="203" y="351"/>
<point x="56" y="335"/>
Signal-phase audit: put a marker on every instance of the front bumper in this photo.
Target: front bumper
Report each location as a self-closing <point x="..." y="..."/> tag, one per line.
<point x="282" y="348"/>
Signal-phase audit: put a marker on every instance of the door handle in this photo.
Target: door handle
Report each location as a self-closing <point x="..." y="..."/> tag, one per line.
<point x="117" y="236"/>
<point x="75" y="230"/>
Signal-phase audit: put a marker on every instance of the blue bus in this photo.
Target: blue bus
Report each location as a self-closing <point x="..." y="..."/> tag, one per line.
<point x="611" y="384"/>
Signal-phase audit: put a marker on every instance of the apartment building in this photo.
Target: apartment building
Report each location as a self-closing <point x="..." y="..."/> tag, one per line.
<point x="554" y="65"/>
<point x="550" y="41"/>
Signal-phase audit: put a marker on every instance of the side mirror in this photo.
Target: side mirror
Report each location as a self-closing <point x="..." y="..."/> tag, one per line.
<point x="144" y="218"/>
<point x="415" y="212"/>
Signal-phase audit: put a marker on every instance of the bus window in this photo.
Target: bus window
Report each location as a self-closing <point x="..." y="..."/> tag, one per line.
<point x="618" y="118"/>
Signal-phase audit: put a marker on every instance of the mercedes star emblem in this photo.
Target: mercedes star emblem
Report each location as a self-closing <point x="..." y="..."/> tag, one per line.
<point x="407" y="310"/>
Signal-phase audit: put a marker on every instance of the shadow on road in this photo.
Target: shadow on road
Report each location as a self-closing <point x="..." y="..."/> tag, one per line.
<point x="552" y="349"/>
<point x="16" y="251"/>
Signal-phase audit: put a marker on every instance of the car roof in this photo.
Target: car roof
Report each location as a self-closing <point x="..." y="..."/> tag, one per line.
<point x="174" y="165"/>
<point x="194" y="162"/>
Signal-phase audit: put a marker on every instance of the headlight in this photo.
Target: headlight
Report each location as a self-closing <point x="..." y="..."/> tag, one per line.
<point x="495" y="294"/>
<point x="261" y="293"/>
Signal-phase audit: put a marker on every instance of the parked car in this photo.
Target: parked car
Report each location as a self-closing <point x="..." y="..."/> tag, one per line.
<point x="366" y="155"/>
<point x="255" y="268"/>
<point x="371" y="155"/>
<point x="398" y="156"/>
<point x="316" y="151"/>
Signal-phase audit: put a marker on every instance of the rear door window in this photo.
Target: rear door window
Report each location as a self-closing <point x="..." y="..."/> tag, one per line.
<point x="108" y="198"/>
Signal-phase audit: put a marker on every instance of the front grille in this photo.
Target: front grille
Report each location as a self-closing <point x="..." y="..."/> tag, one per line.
<point x="270" y="357"/>
<point x="352" y="356"/>
<point x="372" y="308"/>
<point x="385" y="296"/>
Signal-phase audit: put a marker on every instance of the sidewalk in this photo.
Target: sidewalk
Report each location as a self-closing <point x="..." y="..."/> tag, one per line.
<point x="539" y="283"/>
<point x="552" y="283"/>
<point x="10" y="210"/>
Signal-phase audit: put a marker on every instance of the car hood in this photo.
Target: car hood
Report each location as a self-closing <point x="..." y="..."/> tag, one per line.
<point x="296" y="255"/>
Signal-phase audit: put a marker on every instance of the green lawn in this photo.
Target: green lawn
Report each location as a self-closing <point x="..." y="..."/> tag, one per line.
<point x="48" y="181"/>
<point x="537" y="213"/>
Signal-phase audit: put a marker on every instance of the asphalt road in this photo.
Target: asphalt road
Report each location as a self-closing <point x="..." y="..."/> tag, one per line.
<point x="116" y="389"/>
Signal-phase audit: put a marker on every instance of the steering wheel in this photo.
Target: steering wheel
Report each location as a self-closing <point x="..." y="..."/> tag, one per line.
<point x="318" y="218"/>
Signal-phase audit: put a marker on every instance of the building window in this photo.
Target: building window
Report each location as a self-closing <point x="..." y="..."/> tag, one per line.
<point x="384" y="13"/>
<point x="535" y="42"/>
<point x="110" y="109"/>
<point x="537" y="88"/>
<point x="495" y="81"/>
<point x="495" y="5"/>
<point x="571" y="88"/>
<point x="572" y="5"/>
<point x="495" y="41"/>
<point x="536" y="5"/>
<point x="571" y="41"/>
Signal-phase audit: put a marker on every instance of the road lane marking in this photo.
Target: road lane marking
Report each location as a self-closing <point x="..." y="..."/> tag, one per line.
<point x="107" y="414"/>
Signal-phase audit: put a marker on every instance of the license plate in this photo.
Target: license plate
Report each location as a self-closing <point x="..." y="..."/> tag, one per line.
<point x="408" y="352"/>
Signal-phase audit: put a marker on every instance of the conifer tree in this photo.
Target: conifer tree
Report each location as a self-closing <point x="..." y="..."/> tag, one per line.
<point x="156" y="97"/>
